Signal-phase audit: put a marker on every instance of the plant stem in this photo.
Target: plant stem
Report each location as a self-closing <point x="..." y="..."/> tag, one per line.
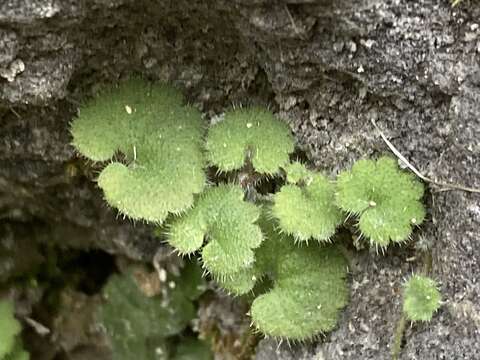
<point x="398" y="337"/>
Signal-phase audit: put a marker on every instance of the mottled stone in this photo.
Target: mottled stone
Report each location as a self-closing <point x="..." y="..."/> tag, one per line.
<point x="270" y="349"/>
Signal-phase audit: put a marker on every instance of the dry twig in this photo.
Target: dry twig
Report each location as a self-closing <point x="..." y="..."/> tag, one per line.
<point x="444" y="186"/>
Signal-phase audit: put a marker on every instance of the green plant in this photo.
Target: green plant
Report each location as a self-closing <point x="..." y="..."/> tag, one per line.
<point x="308" y="289"/>
<point x="421" y="298"/>
<point x="220" y="214"/>
<point x="305" y="207"/>
<point x="251" y="134"/>
<point x="139" y="326"/>
<point x="160" y="140"/>
<point x="302" y="286"/>
<point x="10" y="343"/>
<point x="307" y="285"/>
<point x="386" y="200"/>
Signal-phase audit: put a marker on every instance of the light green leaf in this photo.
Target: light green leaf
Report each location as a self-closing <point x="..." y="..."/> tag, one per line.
<point x="161" y="141"/>
<point x="309" y="287"/>
<point x="307" y="210"/>
<point x="228" y="222"/>
<point x="253" y="134"/>
<point x="386" y="199"/>
<point x="9" y="328"/>
<point x="308" y="291"/>
<point x="421" y="298"/>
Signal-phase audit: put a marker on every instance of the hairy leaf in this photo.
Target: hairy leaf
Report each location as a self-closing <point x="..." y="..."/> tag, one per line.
<point x="386" y="199"/>
<point x="221" y="215"/>
<point x="421" y="298"/>
<point x="253" y="134"/>
<point x="308" y="289"/>
<point x="306" y="208"/>
<point x="160" y="139"/>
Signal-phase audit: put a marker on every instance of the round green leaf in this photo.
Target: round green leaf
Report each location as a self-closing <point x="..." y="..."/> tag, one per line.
<point x="253" y="134"/>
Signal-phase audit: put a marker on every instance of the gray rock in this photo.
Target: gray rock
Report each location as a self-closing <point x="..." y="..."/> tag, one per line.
<point x="270" y="349"/>
<point x="8" y="44"/>
<point x="38" y="82"/>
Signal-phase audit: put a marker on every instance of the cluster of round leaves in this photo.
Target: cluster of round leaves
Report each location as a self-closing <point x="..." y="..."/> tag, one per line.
<point x="385" y="200"/>
<point x="10" y="344"/>
<point x="161" y="173"/>
<point x="421" y="298"/>
<point x="308" y="281"/>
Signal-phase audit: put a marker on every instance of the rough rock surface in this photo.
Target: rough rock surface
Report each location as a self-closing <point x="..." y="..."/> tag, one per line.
<point x="327" y="67"/>
<point x="269" y="349"/>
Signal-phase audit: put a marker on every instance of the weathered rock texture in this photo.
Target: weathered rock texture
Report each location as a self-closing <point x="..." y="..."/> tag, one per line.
<point x="328" y="67"/>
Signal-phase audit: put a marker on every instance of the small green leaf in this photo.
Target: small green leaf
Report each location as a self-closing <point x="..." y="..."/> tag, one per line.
<point x="253" y="134"/>
<point x="161" y="140"/>
<point x="386" y="199"/>
<point x="9" y="328"/>
<point x="221" y="215"/>
<point x="307" y="210"/>
<point x="297" y="172"/>
<point x="421" y="298"/>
